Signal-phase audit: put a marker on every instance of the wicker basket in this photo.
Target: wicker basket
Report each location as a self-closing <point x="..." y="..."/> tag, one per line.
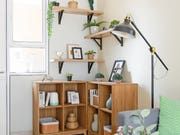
<point x="49" y="125"/>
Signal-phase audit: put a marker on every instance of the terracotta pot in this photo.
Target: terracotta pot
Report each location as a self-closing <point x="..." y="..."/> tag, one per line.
<point x="90" y="56"/>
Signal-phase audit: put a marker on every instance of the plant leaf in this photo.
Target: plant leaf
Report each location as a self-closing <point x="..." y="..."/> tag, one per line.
<point x="151" y="127"/>
<point x="135" y="119"/>
<point x="144" y="113"/>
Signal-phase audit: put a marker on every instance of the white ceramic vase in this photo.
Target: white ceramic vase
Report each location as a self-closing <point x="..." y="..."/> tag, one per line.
<point x="94" y="29"/>
<point x="54" y="100"/>
<point x="109" y="102"/>
<point x="94" y="125"/>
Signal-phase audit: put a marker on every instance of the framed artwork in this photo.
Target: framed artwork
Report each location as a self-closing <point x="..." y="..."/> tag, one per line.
<point x="77" y="53"/>
<point x="73" y="97"/>
<point x="117" y="68"/>
<point x="69" y="50"/>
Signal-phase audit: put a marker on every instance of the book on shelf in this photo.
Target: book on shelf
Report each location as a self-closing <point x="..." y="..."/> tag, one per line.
<point x="93" y="92"/>
<point x="42" y="95"/>
<point x="47" y="98"/>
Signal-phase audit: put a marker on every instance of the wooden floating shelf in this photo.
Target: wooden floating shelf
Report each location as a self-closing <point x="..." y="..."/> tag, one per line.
<point x="90" y="62"/>
<point x="51" y="107"/>
<point x="101" y="34"/>
<point x="78" y="11"/>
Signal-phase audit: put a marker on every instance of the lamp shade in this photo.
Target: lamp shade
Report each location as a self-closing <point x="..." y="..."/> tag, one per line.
<point x="124" y="30"/>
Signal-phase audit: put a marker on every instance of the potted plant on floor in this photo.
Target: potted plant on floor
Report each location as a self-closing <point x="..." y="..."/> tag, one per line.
<point x="117" y="77"/>
<point x="69" y="76"/>
<point x="90" y="54"/>
<point x="93" y="26"/>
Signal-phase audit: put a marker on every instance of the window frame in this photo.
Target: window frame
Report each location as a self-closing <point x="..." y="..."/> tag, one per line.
<point x="28" y="44"/>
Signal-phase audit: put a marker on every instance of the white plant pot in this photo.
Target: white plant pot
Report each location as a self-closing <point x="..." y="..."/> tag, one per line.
<point x="94" y="29"/>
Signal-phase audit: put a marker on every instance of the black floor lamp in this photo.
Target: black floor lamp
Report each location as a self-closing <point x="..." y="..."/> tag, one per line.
<point x="125" y="30"/>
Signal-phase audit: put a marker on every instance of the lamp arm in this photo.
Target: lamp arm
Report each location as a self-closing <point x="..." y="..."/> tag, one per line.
<point x="152" y="50"/>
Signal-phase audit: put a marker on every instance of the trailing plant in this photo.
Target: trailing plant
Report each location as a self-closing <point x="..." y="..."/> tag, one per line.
<point x="113" y="23"/>
<point x="117" y="77"/>
<point x="90" y="52"/>
<point x="99" y="75"/>
<point x="93" y="23"/>
<point x="138" y="119"/>
<point x="91" y="3"/>
<point x="50" y="16"/>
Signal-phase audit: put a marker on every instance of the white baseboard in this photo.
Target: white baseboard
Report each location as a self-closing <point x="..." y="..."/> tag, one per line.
<point x="22" y="133"/>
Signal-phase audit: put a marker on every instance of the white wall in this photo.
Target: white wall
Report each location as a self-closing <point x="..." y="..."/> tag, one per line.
<point x="70" y="31"/>
<point x="159" y="22"/>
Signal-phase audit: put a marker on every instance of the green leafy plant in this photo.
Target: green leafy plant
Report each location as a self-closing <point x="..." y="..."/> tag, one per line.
<point x="99" y="75"/>
<point x="91" y="3"/>
<point x="139" y="119"/>
<point x="113" y="23"/>
<point x="50" y="16"/>
<point x="90" y="52"/>
<point x="93" y="23"/>
<point x="117" y="77"/>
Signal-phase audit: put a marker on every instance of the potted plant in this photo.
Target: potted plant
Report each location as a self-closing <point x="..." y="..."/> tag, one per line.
<point x="93" y="26"/>
<point x="50" y="16"/>
<point x="91" y="2"/>
<point x="117" y="77"/>
<point x="99" y="77"/>
<point x="90" y="54"/>
<point x="114" y="23"/>
<point x="69" y="76"/>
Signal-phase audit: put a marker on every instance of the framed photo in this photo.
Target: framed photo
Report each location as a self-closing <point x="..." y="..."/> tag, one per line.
<point x="77" y="53"/>
<point x="117" y="68"/>
<point x="69" y="50"/>
<point x="73" y="97"/>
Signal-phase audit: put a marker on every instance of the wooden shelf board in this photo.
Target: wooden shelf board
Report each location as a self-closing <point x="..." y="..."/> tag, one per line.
<point x="74" y="60"/>
<point x="74" y="130"/>
<point x="51" y="107"/>
<point x="94" y="106"/>
<point x="78" y="11"/>
<point x="93" y="133"/>
<point x="106" y="110"/>
<point x="74" y="105"/>
<point x="59" y="82"/>
<point x="101" y="34"/>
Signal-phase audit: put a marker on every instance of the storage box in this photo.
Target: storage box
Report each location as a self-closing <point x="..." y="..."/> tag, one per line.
<point x="49" y="125"/>
<point x="96" y="100"/>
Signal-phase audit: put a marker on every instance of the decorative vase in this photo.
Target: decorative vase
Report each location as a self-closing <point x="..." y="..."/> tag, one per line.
<point x="94" y="124"/>
<point x="69" y="78"/>
<point x="94" y="29"/>
<point x="54" y="100"/>
<point x="109" y="102"/>
<point x="72" y="121"/>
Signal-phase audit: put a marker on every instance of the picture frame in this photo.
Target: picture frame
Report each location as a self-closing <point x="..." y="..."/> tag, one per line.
<point x="69" y="50"/>
<point x="77" y="53"/>
<point x="73" y="97"/>
<point x="117" y="68"/>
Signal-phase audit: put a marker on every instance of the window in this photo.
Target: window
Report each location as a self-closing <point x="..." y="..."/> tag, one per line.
<point x="27" y="36"/>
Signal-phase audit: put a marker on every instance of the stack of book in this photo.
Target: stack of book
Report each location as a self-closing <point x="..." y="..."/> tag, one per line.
<point x="94" y="97"/>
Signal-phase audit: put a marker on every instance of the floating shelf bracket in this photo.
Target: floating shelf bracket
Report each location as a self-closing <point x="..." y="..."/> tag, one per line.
<point x="120" y="40"/>
<point x="89" y="17"/>
<point x="99" y="43"/>
<point x="90" y="64"/>
<point x="60" y="14"/>
<point x="60" y="66"/>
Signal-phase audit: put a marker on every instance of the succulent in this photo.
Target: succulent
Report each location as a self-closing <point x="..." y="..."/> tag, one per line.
<point x="90" y="52"/>
<point x="93" y="23"/>
<point x="114" y="23"/>
<point x="117" y="77"/>
<point x="99" y="75"/>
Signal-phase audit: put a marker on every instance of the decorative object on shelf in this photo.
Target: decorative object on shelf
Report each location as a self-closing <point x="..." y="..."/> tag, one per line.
<point x="138" y="119"/>
<point x="90" y="54"/>
<point x="73" y="97"/>
<point x="91" y="3"/>
<point x="69" y="76"/>
<point x="47" y="78"/>
<point x="114" y="23"/>
<point x="69" y="50"/>
<point x="93" y="26"/>
<point x="72" y="121"/>
<point x="77" y="53"/>
<point x="125" y="30"/>
<point x="59" y="55"/>
<point x="109" y="102"/>
<point x="50" y="16"/>
<point x="117" y="77"/>
<point x="94" y="125"/>
<point x="54" y="99"/>
<point x="99" y="77"/>
<point x="117" y="68"/>
<point x="73" y="4"/>
<point x="94" y="98"/>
